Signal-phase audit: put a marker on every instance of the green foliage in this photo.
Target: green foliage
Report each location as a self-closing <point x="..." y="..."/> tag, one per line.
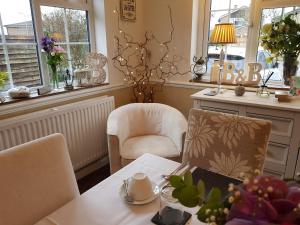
<point x="191" y="195"/>
<point x="185" y="191"/>
<point x="281" y="37"/>
<point x="201" y="189"/>
<point x="3" y="78"/>
<point x="214" y="196"/>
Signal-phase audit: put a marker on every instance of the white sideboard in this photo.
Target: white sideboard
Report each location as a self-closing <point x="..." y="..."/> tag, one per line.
<point x="283" y="157"/>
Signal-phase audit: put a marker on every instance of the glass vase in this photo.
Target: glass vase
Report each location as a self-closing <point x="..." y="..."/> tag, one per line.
<point x="290" y="67"/>
<point x="55" y="78"/>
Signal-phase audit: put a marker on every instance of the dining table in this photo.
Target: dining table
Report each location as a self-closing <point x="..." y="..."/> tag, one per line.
<point x="103" y="205"/>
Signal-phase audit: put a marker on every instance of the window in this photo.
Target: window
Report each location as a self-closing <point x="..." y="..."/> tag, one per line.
<point x="70" y="28"/>
<point x="236" y="12"/>
<point x="23" y="23"/>
<point x="268" y="16"/>
<point x="248" y="16"/>
<point x="18" y="47"/>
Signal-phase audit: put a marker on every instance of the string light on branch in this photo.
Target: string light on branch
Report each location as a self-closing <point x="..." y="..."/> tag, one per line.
<point x="137" y="65"/>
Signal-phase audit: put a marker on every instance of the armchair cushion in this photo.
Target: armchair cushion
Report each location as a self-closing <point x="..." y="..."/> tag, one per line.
<point x="156" y="144"/>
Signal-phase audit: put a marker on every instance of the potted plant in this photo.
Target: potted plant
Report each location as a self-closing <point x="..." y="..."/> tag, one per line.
<point x="3" y="79"/>
<point x="281" y="39"/>
<point x="260" y="200"/>
<point x="55" y="56"/>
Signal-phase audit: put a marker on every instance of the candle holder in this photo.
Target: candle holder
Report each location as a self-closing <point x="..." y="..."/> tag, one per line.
<point x="68" y="81"/>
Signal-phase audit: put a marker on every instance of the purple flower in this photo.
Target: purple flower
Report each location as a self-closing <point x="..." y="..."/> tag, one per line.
<point x="273" y="187"/>
<point x="48" y="43"/>
<point x="251" y="207"/>
<point x="54" y="52"/>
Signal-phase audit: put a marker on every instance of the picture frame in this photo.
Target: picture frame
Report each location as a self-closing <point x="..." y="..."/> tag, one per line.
<point x="128" y="10"/>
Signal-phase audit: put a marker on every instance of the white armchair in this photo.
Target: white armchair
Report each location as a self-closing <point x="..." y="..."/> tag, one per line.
<point x="139" y="128"/>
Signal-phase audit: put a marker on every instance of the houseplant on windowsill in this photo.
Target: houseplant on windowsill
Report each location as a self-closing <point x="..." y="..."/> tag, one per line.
<point x="55" y="56"/>
<point x="281" y="39"/>
<point x="3" y="79"/>
<point x="260" y="200"/>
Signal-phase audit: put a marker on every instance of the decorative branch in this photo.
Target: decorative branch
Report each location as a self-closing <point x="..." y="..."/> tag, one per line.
<point x="134" y="60"/>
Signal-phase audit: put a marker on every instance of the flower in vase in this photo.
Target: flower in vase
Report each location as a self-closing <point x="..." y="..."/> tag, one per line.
<point x="55" y="53"/>
<point x="55" y="56"/>
<point x="58" y="49"/>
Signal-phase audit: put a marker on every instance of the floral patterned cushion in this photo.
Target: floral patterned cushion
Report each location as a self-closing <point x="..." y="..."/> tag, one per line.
<point x="225" y="143"/>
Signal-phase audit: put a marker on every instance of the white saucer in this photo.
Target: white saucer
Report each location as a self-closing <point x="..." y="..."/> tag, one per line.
<point x="155" y="188"/>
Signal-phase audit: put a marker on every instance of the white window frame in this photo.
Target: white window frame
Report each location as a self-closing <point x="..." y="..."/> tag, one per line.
<point x="86" y="5"/>
<point x="256" y="7"/>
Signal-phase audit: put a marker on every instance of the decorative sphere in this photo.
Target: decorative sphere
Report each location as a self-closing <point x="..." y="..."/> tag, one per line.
<point x="239" y="90"/>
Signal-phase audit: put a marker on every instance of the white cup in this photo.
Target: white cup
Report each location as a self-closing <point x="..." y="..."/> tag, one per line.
<point x="140" y="187"/>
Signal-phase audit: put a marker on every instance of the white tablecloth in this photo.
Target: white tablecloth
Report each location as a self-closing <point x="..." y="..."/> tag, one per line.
<point x="102" y="205"/>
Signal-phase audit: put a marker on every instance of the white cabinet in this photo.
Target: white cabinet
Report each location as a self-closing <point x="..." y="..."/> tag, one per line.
<point x="284" y="143"/>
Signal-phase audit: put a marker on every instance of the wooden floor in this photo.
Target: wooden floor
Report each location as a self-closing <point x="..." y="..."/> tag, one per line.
<point x="92" y="179"/>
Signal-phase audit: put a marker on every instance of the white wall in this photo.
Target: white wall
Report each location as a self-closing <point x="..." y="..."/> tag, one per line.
<point x="152" y="15"/>
<point x="106" y="28"/>
<point x="157" y="20"/>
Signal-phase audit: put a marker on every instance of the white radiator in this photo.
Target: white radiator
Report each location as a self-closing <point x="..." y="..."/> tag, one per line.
<point x="83" y="124"/>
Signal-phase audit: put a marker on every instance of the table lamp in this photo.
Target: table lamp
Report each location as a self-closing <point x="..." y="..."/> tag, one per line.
<point x="222" y="34"/>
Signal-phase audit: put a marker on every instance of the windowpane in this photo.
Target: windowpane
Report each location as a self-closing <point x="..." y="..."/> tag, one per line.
<point x="78" y="55"/>
<point x="77" y="25"/>
<point x="70" y="26"/>
<point x="53" y="21"/>
<point x="217" y="5"/>
<point x="236" y="4"/>
<point x="268" y="16"/>
<point x="18" y="52"/>
<point x="24" y="65"/>
<point x="236" y="12"/>
<point x="17" y="20"/>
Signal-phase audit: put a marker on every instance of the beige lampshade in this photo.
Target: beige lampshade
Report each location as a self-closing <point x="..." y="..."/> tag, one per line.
<point x="223" y="33"/>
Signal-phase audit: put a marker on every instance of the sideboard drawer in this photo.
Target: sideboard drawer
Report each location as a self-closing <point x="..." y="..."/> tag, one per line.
<point x="220" y="110"/>
<point x="268" y="172"/>
<point x="218" y="107"/>
<point x="282" y="128"/>
<point x="276" y="157"/>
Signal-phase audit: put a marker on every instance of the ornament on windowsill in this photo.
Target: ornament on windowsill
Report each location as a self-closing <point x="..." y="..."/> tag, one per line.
<point x="254" y="76"/>
<point x="230" y="76"/>
<point x="239" y="90"/>
<point x="96" y="62"/>
<point x="295" y="86"/>
<point x="68" y="81"/>
<point x="94" y="73"/>
<point x="19" y="92"/>
<point x="263" y="91"/>
<point x="239" y="80"/>
<point x="3" y="79"/>
<point x="83" y="77"/>
<point x="199" y="68"/>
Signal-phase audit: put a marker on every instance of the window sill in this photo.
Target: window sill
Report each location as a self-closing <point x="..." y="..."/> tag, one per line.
<point x="270" y="85"/>
<point x="12" y="106"/>
<point x="206" y="84"/>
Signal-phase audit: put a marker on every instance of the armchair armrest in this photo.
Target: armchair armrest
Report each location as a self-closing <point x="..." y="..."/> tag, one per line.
<point x="175" y="126"/>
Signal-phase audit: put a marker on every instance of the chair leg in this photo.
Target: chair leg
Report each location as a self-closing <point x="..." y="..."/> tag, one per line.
<point x="114" y="153"/>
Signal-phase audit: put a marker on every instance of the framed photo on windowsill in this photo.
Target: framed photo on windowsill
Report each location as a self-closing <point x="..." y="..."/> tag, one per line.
<point x="128" y="10"/>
